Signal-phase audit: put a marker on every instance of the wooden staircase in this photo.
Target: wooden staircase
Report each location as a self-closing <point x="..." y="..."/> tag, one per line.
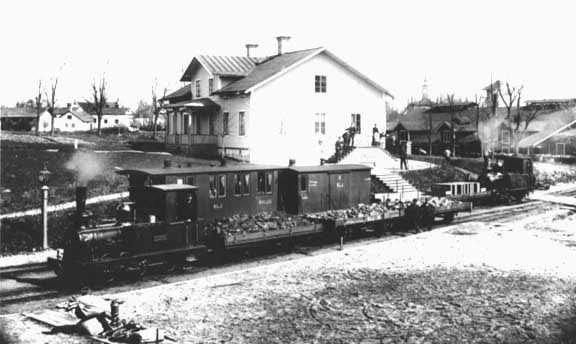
<point x="386" y="168"/>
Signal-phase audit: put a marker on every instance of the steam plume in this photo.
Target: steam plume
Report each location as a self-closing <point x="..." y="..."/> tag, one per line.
<point x="86" y="165"/>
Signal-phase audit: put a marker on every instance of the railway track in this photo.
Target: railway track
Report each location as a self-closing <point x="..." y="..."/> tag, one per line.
<point x="38" y="287"/>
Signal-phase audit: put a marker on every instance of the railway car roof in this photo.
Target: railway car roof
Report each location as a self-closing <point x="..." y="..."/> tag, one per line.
<point x="330" y="168"/>
<point x="173" y="187"/>
<point x="455" y="183"/>
<point x="170" y="171"/>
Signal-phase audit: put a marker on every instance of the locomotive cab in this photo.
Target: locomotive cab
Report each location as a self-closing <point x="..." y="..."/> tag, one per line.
<point x="509" y="177"/>
<point x="158" y="226"/>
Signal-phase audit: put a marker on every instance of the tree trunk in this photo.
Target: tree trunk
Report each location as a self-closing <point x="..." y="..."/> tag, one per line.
<point x="37" y="121"/>
<point x="52" y="129"/>
<point x="154" y="128"/>
<point x="100" y="125"/>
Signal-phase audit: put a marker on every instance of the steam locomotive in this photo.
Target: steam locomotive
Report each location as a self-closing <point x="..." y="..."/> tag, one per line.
<point x="504" y="178"/>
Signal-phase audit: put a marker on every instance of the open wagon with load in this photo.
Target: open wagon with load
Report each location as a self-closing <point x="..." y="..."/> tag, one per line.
<point x="448" y="208"/>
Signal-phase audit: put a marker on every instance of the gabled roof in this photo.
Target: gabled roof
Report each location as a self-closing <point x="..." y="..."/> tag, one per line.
<point x="417" y="119"/>
<point x="111" y="109"/>
<point x="75" y="111"/>
<point x="199" y="103"/>
<point x="6" y="112"/>
<point x="221" y="65"/>
<point x="275" y="66"/>
<point x="184" y="92"/>
<point x="548" y="125"/>
<point x="267" y="69"/>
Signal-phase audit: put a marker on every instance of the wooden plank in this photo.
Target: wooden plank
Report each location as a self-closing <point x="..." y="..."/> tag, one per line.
<point x="53" y="318"/>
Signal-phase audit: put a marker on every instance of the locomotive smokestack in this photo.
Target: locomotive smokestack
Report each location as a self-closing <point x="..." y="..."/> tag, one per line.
<point x="291" y="162"/>
<point x="80" y="200"/>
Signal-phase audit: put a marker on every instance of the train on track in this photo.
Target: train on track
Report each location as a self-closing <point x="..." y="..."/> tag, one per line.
<point x="179" y="214"/>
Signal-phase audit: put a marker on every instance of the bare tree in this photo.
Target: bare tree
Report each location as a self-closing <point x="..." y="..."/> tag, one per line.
<point x="38" y="106"/>
<point x="429" y="128"/>
<point x="480" y="113"/>
<point x="156" y="108"/>
<point x="450" y="99"/>
<point x="513" y="121"/>
<point x="51" y="103"/>
<point x="98" y="103"/>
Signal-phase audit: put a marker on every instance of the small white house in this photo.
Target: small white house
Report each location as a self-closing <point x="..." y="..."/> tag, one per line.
<point x="291" y="105"/>
<point x="72" y="118"/>
<point x="78" y="117"/>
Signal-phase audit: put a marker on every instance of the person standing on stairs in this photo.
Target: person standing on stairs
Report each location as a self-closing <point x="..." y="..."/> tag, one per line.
<point x="375" y="136"/>
<point x="352" y="133"/>
<point x="338" y="148"/>
<point x="403" y="156"/>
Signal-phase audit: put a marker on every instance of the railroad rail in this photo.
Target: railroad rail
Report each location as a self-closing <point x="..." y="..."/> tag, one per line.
<point x="40" y="285"/>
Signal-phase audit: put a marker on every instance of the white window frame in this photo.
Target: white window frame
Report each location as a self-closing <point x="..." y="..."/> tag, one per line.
<point x="357" y="122"/>
<point x="226" y="123"/>
<point x="446" y="136"/>
<point x="198" y="89"/>
<point x="210" y="86"/>
<point x="186" y="123"/>
<point x="320" y="83"/>
<point x="505" y="137"/>
<point x="241" y="123"/>
<point x="320" y="123"/>
<point x="558" y="145"/>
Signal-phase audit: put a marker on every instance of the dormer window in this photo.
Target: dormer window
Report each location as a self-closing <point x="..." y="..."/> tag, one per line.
<point x="505" y="137"/>
<point x="198" y="92"/>
<point x="320" y="83"/>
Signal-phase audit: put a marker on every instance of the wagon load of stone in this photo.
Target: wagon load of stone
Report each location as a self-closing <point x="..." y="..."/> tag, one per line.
<point x="255" y="223"/>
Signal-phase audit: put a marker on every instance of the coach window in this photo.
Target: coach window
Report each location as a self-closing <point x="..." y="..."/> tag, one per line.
<point x="261" y="186"/>
<point x="221" y="185"/>
<point x="246" y="184"/>
<point x="213" y="189"/>
<point x="269" y="177"/>
<point x="304" y="182"/>
<point x="264" y="182"/>
<point x="237" y="184"/>
<point x="191" y="180"/>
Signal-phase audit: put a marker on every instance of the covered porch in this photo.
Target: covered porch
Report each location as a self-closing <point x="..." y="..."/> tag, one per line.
<point x="191" y="126"/>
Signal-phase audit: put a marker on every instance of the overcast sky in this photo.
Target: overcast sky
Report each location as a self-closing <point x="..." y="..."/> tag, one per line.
<point x="457" y="45"/>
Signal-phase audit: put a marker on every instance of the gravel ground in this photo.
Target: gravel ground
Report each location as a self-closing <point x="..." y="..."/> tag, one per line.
<point x="472" y="282"/>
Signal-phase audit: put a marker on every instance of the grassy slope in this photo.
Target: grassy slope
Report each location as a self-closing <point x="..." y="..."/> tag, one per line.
<point x="23" y="156"/>
<point x="423" y="179"/>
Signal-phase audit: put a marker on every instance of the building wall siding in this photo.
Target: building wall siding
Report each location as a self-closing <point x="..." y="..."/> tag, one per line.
<point x="283" y="112"/>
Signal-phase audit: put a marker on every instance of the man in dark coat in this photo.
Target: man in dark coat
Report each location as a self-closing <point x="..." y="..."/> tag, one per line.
<point x="413" y="216"/>
<point x="375" y="136"/>
<point x="427" y="214"/>
<point x="403" y="156"/>
<point x="352" y="131"/>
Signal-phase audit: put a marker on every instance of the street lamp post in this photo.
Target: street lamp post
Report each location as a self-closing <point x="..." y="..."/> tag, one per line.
<point x="44" y="177"/>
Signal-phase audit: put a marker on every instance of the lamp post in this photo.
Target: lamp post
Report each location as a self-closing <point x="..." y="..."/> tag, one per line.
<point x="44" y="177"/>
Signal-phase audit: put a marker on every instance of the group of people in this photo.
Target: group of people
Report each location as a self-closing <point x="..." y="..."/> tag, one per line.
<point x="345" y="142"/>
<point x="418" y="214"/>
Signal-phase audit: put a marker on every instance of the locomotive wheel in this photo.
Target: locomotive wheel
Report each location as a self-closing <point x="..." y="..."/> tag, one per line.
<point x="107" y="272"/>
<point x="142" y="268"/>
<point x="448" y="218"/>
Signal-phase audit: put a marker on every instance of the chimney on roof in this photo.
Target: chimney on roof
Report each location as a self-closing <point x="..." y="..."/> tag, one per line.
<point x="280" y="40"/>
<point x="250" y="46"/>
